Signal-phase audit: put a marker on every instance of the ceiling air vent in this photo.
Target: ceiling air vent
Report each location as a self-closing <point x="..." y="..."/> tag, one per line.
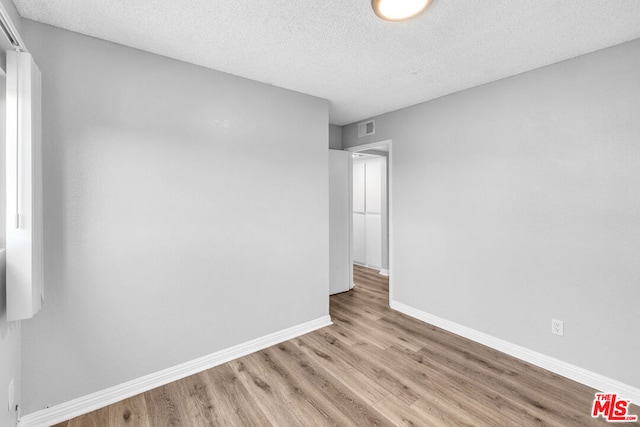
<point x="366" y="128"/>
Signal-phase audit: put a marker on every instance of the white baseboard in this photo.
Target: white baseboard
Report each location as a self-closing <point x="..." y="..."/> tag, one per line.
<point x="384" y="272"/>
<point x="100" y="399"/>
<point x="575" y="373"/>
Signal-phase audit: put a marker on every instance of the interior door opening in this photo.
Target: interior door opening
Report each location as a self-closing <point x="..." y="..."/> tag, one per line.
<point x="371" y="231"/>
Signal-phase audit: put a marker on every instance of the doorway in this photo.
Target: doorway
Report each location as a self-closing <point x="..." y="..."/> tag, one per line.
<point x="371" y="231"/>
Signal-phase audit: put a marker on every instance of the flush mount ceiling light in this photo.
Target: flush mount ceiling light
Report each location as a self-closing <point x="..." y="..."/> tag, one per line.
<point x="399" y="10"/>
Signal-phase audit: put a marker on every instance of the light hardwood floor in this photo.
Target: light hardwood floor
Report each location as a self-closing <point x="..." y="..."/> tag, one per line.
<point x="374" y="366"/>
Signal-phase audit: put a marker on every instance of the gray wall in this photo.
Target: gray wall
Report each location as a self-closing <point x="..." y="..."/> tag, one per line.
<point x="519" y="201"/>
<point x="9" y="331"/>
<point x="186" y="211"/>
<point x="9" y="353"/>
<point x="335" y="137"/>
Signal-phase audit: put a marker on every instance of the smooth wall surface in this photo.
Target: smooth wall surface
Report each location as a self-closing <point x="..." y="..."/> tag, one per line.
<point x="335" y="137"/>
<point x="186" y="211"/>
<point x="9" y="354"/>
<point x="519" y="201"/>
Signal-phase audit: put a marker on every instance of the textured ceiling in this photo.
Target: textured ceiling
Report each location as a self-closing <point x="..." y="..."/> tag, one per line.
<point x="341" y="51"/>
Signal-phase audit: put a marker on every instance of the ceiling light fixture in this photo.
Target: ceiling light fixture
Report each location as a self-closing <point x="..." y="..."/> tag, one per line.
<point x="399" y="10"/>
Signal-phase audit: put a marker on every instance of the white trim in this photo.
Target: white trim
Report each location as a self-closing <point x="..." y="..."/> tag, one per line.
<point x="390" y="236"/>
<point x="350" y="178"/>
<point x="573" y="372"/>
<point x="368" y="146"/>
<point x="100" y="399"/>
<point x="384" y="272"/>
<point x="370" y="267"/>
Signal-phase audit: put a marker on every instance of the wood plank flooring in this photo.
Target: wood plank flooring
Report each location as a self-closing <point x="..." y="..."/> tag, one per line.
<point x="373" y="367"/>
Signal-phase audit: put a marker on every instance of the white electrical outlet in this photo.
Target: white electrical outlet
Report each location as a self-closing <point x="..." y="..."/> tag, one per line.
<point x="557" y="327"/>
<point x="10" y="400"/>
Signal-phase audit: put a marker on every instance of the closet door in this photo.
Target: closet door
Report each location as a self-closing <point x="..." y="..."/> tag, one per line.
<point x="373" y="209"/>
<point x="367" y="211"/>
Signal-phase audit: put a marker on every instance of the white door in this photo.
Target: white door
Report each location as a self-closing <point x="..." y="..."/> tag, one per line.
<point x="341" y="272"/>
<point x="367" y="210"/>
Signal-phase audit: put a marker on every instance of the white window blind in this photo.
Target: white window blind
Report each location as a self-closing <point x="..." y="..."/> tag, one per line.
<point x="24" y="187"/>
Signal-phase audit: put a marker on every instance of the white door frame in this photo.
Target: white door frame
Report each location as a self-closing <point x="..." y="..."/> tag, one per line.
<point x="372" y="146"/>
